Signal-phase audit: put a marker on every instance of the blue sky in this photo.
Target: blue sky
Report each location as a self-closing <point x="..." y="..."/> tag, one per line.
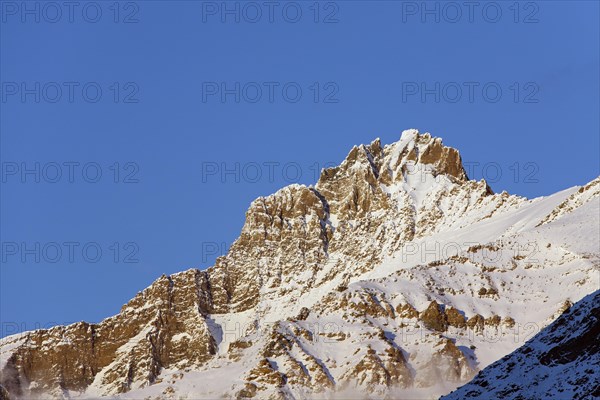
<point x="133" y="138"/>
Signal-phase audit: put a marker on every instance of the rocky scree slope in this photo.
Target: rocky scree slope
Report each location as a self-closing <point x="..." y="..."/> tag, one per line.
<point x="395" y="275"/>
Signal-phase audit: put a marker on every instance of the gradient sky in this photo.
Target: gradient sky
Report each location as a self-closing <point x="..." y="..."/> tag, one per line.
<point x="164" y="130"/>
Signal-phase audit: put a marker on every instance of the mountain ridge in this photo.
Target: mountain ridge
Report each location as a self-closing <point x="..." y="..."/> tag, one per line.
<point x="349" y="253"/>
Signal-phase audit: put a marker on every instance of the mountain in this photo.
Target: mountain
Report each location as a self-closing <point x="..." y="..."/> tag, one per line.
<point x="560" y="362"/>
<point x="394" y="276"/>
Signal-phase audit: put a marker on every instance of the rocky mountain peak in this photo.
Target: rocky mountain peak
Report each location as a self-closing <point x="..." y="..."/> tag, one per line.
<point x="295" y="236"/>
<point x="328" y="288"/>
<point x="414" y="153"/>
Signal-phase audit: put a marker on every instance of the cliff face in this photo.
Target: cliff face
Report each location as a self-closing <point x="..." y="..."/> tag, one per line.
<point x="358" y="212"/>
<point x="390" y="274"/>
<point x="162" y="327"/>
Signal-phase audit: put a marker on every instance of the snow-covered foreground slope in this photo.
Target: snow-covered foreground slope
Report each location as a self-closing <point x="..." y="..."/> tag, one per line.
<point x="394" y="276"/>
<point x="561" y="362"/>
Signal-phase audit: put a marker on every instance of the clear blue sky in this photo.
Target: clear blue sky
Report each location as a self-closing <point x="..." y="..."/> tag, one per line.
<point x="165" y="122"/>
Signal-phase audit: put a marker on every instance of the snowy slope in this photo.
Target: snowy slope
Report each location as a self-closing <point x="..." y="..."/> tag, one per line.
<point x="561" y="362"/>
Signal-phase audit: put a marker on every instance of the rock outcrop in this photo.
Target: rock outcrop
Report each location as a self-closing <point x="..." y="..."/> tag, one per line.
<point x="162" y="327"/>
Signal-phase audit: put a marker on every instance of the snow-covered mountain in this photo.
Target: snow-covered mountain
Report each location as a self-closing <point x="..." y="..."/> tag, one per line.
<point x="394" y="276"/>
<point x="560" y="362"/>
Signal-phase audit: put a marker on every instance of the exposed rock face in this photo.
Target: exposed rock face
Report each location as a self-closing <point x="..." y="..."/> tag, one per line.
<point x="393" y="272"/>
<point x="162" y="327"/>
<point x="448" y="363"/>
<point x="455" y="318"/>
<point x="295" y="231"/>
<point x="284" y="234"/>
<point x="374" y="370"/>
<point x="4" y="393"/>
<point x="445" y="159"/>
<point x="434" y="318"/>
<point x="406" y="311"/>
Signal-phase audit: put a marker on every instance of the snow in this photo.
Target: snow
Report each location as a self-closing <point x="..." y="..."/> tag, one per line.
<point x="8" y="345"/>
<point x="227" y="328"/>
<point x="533" y="294"/>
<point x="535" y="254"/>
<point x="524" y="374"/>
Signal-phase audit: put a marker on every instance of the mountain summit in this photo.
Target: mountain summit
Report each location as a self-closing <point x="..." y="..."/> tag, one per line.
<point x="395" y="275"/>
